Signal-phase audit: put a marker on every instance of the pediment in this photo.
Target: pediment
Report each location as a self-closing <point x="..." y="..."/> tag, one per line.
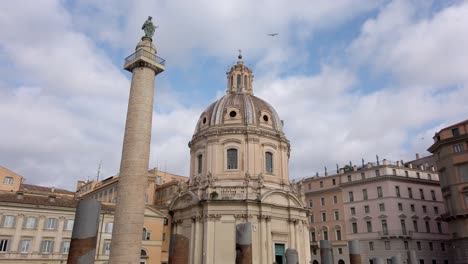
<point x="382" y="216"/>
<point x="183" y="200"/>
<point x="368" y="217"/>
<point x="402" y="216"/>
<point x="353" y="219"/>
<point x="415" y="217"/>
<point x="281" y="198"/>
<point x="427" y="218"/>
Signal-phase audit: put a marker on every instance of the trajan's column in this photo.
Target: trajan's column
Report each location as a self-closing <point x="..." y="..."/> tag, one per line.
<point x="129" y="212"/>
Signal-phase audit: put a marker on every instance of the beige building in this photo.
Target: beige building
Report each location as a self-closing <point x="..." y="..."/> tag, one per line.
<point x="450" y="150"/>
<point x="36" y="224"/>
<point x="239" y="180"/>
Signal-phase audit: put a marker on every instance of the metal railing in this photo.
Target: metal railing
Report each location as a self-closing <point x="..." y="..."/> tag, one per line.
<point x="146" y="54"/>
<point x="395" y="233"/>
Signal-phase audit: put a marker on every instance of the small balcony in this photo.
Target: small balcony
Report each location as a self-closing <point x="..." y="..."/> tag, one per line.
<point x="143" y="57"/>
<point x="395" y="234"/>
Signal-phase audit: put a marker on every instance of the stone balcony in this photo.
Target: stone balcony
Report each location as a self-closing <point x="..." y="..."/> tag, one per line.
<point x="395" y="234"/>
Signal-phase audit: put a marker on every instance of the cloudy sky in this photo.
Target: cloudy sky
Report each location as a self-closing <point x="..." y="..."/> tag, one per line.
<point x="350" y="78"/>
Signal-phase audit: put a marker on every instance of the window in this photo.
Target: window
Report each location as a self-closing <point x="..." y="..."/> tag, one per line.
<point x="68" y="225"/>
<point x="369" y="226"/>
<point x="418" y="175"/>
<point x="334" y="181"/>
<point x="51" y="223"/>
<point x="371" y="246"/>
<point x="351" y="196"/>
<point x="366" y="209"/>
<point x="439" y="227"/>
<point x="384" y="227"/>
<point x="424" y="208"/>
<point x="232" y="159"/>
<point x="325" y="234"/>
<point x="324" y="217"/>
<point x="418" y="245"/>
<point x="349" y="178"/>
<point x="387" y="245"/>
<point x="421" y="193"/>
<point x="8" y="180"/>
<point x="238" y="82"/>
<point x="410" y="193"/>
<point x="338" y="234"/>
<point x="312" y="218"/>
<point x="146" y="234"/>
<point x="65" y="247"/>
<point x="335" y="199"/>
<point x="24" y="246"/>
<point x="200" y="164"/>
<point x="108" y="227"/>
<point x="4" y="245"/>
<point x="433" y="195"/>
<point x="431" y="246"/>
<point x="382" y="207"/>
<point x="364" y="194"/>
<point x="312" y="236"/>
<point x="47" y="246"/>
<point x="463" y="172"/>
<point x="428" y="227"/>
<point x="158" y="180"/>
<point x="311" y="204"/>
<point x="322" y="201"/>
<point x="377" y="173"/>
<point x="458" y="147"/>
<point x="394" y="171"/>
<point x="9" y="221"/>
<point x="353" y="211"/>
<point x="379" y="192"/>
<point x="406" y="174"/>
<point x="436" y="210"/>
<point x="429" y="176"/>
<point x="415" y="226"/>
<point x="363" y="175"/>
<point x="412" y="208"/>
<point x="269" y="162"/>
<point x="321" y="184"/>
<point x="406" y="245"/>
<point x="106" y="247"/>
<point x="403" y="226"/>
<point x="340" y="250"/>
<point x="400" y="207"/>
<point x="337" y="215"/>
<point x="30" y="222"/>
<point x="354" y="228"/>
<point x="397" y="191"/>
<point x="442" y="246"/>
<point x="455" y="132"/>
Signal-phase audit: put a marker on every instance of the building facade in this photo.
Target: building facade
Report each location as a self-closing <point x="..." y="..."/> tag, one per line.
<point x="390" y="208"/>
<point x="239" y="203"/>
<point x="450" y="150"/>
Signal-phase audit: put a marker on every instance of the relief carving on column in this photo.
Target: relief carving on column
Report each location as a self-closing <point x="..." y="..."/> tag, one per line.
<point x="243" y="217"/>
<point x="293" y="220"/>
<point x="213" y="217"/>
<point x="197" y="218"/>
<point x="265" y="218"/>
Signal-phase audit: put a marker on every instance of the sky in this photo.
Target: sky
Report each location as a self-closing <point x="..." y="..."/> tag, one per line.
<point x="351" y="79"/>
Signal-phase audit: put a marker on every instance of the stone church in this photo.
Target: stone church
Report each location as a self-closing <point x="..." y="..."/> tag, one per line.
<point x="239" y="205"/>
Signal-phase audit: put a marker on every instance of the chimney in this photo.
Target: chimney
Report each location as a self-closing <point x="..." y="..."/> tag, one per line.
<point x="417" y="155"/>
<point x="19" y="195"/>
<point x="52" y="189"/>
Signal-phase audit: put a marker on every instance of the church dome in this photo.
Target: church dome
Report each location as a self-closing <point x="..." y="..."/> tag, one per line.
<point x="240" y="108"/>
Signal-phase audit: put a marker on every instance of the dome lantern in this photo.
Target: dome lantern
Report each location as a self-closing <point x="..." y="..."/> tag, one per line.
<point x="239" y="78"/>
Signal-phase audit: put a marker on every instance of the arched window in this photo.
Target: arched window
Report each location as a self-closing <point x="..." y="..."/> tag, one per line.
<point x="146" y="234"/>
<point x="232" y="82"/>
<point x="245" y="81"/>
<point x="200" y="164"/>
<point x="232" y="159"/>
<point x="143" y="254"/>
<point x="238" y="82"/>
<point x="269" y="162"/>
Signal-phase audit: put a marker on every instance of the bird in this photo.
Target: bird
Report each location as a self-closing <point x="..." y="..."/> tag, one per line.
<point x="272" y="34"/>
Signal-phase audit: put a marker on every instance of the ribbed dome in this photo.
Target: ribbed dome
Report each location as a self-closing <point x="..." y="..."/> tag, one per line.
<point x="240" y="109"/>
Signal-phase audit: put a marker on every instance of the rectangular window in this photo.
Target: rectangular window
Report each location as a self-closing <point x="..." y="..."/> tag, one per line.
<point x="322" y="201"/>
<point x="311" y="204"/>
<point x="463" y="172"/>
<point x="418" y="175"/>
<point x="364" y="194"/>
<point x="337" y="215"/>
<point x="371" y="246"/>
<point x="351" y="196"/>
<point x="433" y="195"/>
<point x="324" y="217"/>
<point x="418" y="245"/>
<point x="421" y="194"/>
<point x="377" y="173"/>
<point x="353" y="211"/>
<point x="428" y="227"/>
<point x="406" y="244"/>
<point x="415" y="226"/>
<point x="442" y="246"/>
<point x="340" y="250"/>
<point x="47" y="246"/>
<point x="9" y="221"/>
<point x="382" y="207"/>
<point x="232" y="159"/>
<point x="400" y="207"/>
<point x="106" y="247"/>
<point x="384" y="227"/>
<point x="338" y="234"/>
<point x="325" y="235"/>
<point x="410" y="193"/>
<point x="200" y="163"/>
<point x="455" y="132"/>
<point x="51" y="223"/>
<point x="406" y="174"/>
<point x="369" y="226"/>
<point x="394" y="172"/>
<point x="30" y="222"/>
<point x="363" y="175"/>
<point x="68" y="225"/>
<point x="321" y="184"/>
<point x="429" y="176"/>
<point x="349" y="178"/>
<point x="313" y="237"/>
<point x="397" y="191"/>
<point x="8" y="181"/>
<point x="334" y="181"/>
<point x="458" y="148"/>
<point x="387" y="245"/>
<point x="379" y="192"/>
<point x="403" y="226"/>
<point x="312" y="218"/>
<point x="108" y="227"/>
<point x="424" y="208"/>
<point x="366" y="209"/>
<point x="4" y="245"/>
<point x="436" y="210"/>
<point x="335" y="199"/>
<point x="65" y="247"/>
<point x="354" y="228"/>
<point x="412" y="208"/>
<point x="431" y="246"/>
<point x="439" y="227"/>
<point x="269" y="162"/>
<point x="25" y="244"/>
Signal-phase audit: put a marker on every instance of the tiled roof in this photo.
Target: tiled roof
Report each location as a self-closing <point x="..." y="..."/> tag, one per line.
<point x="37" y="188"/>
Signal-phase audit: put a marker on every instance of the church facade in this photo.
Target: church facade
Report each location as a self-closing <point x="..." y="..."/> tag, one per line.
<point x="239" y="205"/>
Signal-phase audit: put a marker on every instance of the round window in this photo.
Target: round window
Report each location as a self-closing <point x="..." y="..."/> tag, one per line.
<point x="265" y="118"/>
<point x="232" y="114"/>
<point x="204" y="120"/>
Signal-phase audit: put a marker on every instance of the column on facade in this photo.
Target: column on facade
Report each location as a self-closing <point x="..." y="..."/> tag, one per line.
<point x="198" y="247"/>
<point x="296" y="234"/>
<point x="58" y="244"/>
<point x="192" y="240"/>
<point x="269" y="241"/>
<point x="36" y="246"/>
<point x="16" y="237"/>
<point x="306" y="238"/>
<point x="263" y="239"/>
<point x="291" y="234"/>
